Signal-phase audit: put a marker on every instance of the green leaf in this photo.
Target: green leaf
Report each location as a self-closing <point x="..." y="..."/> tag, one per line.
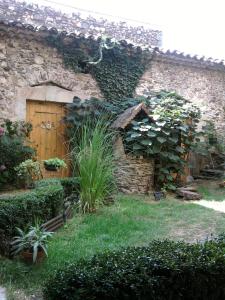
<point x="179" y="149"/>
<point x="134" y="135"/>
<point x="146" y="142"/>
<point x="137" y="147"/>
<point x="163" y="170"/>
<point x="164" y="154"/>
<point x="151" y="134"/>
<point x="161" y="123"/>
<point x="166" y="132"/>
<point x="173" y="139"/>
<point x="161" y="139"/>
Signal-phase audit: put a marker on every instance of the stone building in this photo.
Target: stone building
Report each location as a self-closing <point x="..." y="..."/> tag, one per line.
<point x="134" y="175"/>
<point x="33" y="74"/>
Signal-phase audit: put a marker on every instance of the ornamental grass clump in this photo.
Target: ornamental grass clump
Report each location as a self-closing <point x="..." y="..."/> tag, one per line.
<point x="93" y="164"/>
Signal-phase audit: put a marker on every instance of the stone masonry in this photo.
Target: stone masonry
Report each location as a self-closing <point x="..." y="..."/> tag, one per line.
<point x="134" y="175"/>
<point x="202" y="85"/>
<point x="26" y="61"/>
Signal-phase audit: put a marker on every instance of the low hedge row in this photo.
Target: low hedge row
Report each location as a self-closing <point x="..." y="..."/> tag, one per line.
<point x="70" y="184"/>
<point x="163" y="270"/>
<point x="21" y="210"/>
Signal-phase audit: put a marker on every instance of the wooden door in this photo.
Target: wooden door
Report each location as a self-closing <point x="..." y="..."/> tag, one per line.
<point x="48" y="134"/>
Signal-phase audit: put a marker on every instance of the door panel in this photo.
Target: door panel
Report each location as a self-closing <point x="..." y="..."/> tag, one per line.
<point x="47" y="136"/>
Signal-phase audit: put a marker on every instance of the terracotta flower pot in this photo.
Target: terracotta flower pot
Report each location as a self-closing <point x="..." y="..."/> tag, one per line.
<point x="27" y="256"/>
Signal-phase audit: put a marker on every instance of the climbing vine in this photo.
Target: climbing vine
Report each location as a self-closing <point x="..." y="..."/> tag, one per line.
<point x="117" y="70"/>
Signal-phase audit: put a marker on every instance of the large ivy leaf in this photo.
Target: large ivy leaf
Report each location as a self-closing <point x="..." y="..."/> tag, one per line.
<point x="164" y="154"/>
<point x="151" y="134"/>
<point x="161" y="123"/>
<point x="146" y="142"/>
<point x="134" y="135"/>
<point x="173" y="139"/>
<point x="161" y="139"/>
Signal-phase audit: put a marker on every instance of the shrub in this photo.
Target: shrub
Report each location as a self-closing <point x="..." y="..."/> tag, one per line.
<point x="93" y="165"/>
<point x="13" y="149"/>
<point x="163" y="270"/>
<point x="70" y="184"/>
<point x="21" y="210"/>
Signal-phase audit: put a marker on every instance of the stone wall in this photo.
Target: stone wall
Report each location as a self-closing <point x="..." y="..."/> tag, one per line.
<point x="134" y="175"/>
<point x="26" y="61"/>
<point x="38" y="16"/>
<point x="202" y="85"/>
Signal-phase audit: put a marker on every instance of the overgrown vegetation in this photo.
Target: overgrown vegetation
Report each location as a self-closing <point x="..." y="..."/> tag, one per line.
<point x="167" y="135"/>
<point x="211" y="145"/>
<point x="117" y="73"/>
<point x="93" y="164"/>
<point x="13" y="150"/>
<point x="163" y="270"/>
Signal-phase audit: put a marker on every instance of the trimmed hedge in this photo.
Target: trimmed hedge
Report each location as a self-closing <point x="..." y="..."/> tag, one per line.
<point x="163" y="270"/>
<point x="22" y="209"/>
<point x="70" y="184"/>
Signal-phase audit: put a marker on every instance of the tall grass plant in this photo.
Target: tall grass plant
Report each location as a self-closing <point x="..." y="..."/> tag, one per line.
<point x="93" y="163"/>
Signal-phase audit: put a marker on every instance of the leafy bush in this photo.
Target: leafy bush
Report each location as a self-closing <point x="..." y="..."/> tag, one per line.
<point x="13" y="149"/>
<point x="55" y="162"/>
<point x="28" y="171"/>
<point x="93" y="165"/>
<point x="163" y="270"/>
<point x="168" y="137"/>
<point x="70" y="184"/>
<point x="21" y="210"/>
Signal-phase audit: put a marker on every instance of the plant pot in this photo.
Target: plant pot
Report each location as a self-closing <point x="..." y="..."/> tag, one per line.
<point x="51" y="168"/>
<point x="27" y="256"/>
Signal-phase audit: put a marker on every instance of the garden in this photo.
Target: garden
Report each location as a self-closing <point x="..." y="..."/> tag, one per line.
<point x="103" y="233"/>
<point x="80" y="237"/>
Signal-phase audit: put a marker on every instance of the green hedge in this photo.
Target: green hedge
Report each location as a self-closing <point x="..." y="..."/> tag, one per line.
<point x="22" y="209"/>
<point x="163" y="270"/>
<point x="70" y="184"/>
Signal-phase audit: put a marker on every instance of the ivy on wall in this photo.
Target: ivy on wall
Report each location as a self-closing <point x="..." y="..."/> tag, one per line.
<point x="117" y="74"/>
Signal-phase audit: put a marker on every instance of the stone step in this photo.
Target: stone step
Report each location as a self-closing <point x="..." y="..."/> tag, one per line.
<point x="188" y="195"/>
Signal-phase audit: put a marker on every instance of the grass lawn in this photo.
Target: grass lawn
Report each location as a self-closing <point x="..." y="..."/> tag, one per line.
<point x="130" y="221"/>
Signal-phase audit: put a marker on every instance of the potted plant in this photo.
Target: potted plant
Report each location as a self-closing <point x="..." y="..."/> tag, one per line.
<point x="54" y="164"/>
<point x="32" y="245"/>
<point x="28" y="171"/>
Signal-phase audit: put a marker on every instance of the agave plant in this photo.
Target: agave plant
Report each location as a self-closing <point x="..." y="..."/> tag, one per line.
<point x="34" y="240"/>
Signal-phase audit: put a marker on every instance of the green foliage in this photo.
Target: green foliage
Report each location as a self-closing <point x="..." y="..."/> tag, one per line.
<point x="55" y="162"/>
<point x="208" y="142"/>
<point x="22" y="209"/>
<point x="34" y="239"/>
<point x="118" y="70"/>
<point x="163" y="270"/>
<point x="167" y="135"/>
<point x="28" y="171"/>
<point x="13" y="149"/>
<point x="93" y="165"/>
<point x="70" y="184"/>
